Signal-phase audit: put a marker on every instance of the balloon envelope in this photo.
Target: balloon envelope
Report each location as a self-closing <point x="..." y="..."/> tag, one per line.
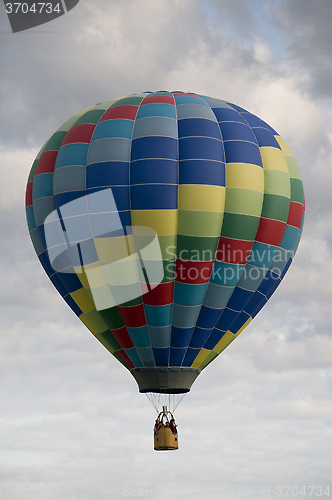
<point x="166" y="221"/>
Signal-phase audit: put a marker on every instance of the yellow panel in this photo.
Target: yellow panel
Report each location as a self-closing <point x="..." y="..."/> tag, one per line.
<point x="162" y="221"/>
<point x="88" y="324"/>
<point x="283" y="145"/>
<point x="203" y="353"/>
<point x="224" y="342"/>
<point x="273" y="159"/>
<point x="82" y="276"/>
<point x="113" y="249"/>
<point x="95" y="274"/>
<point x="82" y="300"/>
<point x="243" y="327"/>
<point x="212" y="355"/>
<point x="201" y="197"/>
<point x="244" y="175"/>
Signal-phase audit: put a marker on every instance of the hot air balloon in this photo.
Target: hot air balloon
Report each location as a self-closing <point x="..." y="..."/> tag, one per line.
<point x="166" y="220"/>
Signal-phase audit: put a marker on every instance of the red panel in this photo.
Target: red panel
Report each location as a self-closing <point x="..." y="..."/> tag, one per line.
<point x="193" y="272"/>
<point x="161" y="295"/>
<point x="122" y="336"/>
<point x="46" y="163"/>
<point x="133" y="316"/>
<point x="185" y="93"/>
<point x="127" y="111"/>
<point x="270" y="231"/>
<point x="28" y="194"/>
<point x="125" y="358"/>
<point x="233" y="251"/>
<point x="79" y="133"/>
<point x="167" y="99"/>
<point x="295" y="214"/>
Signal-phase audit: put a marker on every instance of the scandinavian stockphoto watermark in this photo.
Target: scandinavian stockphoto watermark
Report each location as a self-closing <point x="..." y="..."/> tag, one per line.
<point x="29" y="14"/>
<point x="117" y="262"/>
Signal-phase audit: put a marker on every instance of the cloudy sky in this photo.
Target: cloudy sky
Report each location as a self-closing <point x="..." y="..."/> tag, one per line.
<point x="72" y="423"/>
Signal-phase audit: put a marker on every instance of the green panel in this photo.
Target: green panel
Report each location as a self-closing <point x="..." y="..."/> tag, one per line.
<point x="112" y="318"/>
<point x="276" y="182"/>
<point x="297" y="190"/>
<point x="54" y="143"/>
<point x="33" y="169"/>
<point x="69" y="123"/>
<point x="292" y="167"/>
<point x="240" y="227"/>
<point x="199" y="223"/>
<point x="106" y="104"/>
<point x="108" y="340"/>
<point x="197" y="248"/>
<point x="134" y="100"/>
<point x="97" y="321"/>
<point x="92" y="116"/>
<point x="244" y="201"/>
<point x="275" y="207"/>
<point x="167" y="244"/>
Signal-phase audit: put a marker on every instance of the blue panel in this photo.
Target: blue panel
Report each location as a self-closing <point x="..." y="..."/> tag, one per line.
<point x="189" y="295"/>
<point x="198" y="127"/>
<point x="290" y="238"/>
<point x="237" y="108"/>
<point x="72" y="304"/>
<point x="160" y="336"/>
<point x="88" y="252"/>
<point x="36" y="241"/>
<point x="42" y="208"/>
<point x="110" y="149"/>
<point x="78" y="228"/>
<point x="161" y="356"/>
<point x="107" y="173"/>
<point x="41" y="234"/>
<point x="239" y="299"/>
<point x="176" y="356"/>
<point x="156" y="125"/>
<point x="156" y="109"/>
<point x="184" y="316"/>
<point x="187" y="99"/>
<point x="154" y="197"/>
<point x="286" y="268"/>
<point x="158" y="315"/>
<point x="190" y="356"/>
<point x="70" y="281"/>
<point x="30" y="218"/>
<point x="200" y="148"/>
<point x="42" y="186"/>
<point x="208" y="318"/>
<point x="134" y="357"/>
<point x="72" y="154"/>
<point x="71" y="178"/>
<point x="237" y="131"/>
<point x="227" y="115"/>
<point x="217" y="296"/>
<point x="154" y="147"/>
<point x="156" y="170"/>
<point x="255" y="305"/>
<point x="58" y="284"/>
<point x="226" y="274"/>
<point x="261" y="255"/>
<point x="125" y="218"/>
<point x="239" y="322"/>
<point x="227" y="319"/>
<point x="146" y="355"/>
<point x="199" y="337"/>
<point x="181" y="336"/>
<point x="214" y="338"/>
<point x="202" y="172"/>
<point x="242" y="152"/>
<point x="45" y="262"/>
<point x="113" y="128"/>
<point x="63" y="198"/>
<point x="139" y="336"/>
<point x="265" y="137"/>
<point x="269" y="284"/>
<point x="194" y="110"/>
<point x="254" y="121"/>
